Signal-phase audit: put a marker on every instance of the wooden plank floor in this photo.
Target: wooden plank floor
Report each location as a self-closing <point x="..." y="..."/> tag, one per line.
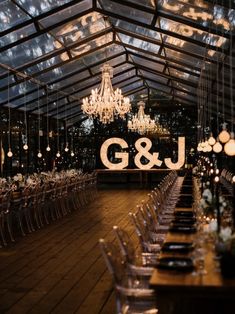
<point x="59" y="269"/>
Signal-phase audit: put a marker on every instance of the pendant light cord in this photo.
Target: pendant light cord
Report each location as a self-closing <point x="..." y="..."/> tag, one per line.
<point x="9" y="110"/>
<point x="57" y="122"/>
<point x="25" y="116"/>
<point x="231" y="69"/>
<point x="39" y="125"/>
<point x="47" y="118"/>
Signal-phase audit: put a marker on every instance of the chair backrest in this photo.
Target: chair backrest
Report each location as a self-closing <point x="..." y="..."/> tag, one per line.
<point x="114" y="260"/>
<point x="125" y="243"/>
<point x="140" y="230"/>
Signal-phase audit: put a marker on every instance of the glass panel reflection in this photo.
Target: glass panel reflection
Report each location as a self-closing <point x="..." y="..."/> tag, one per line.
<point x="139" y="43"/>
<point x="123" y="10"/>
<point x="11" y="15"/>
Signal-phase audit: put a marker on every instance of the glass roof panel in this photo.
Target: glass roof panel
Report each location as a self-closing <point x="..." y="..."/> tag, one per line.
<point x="154" y="77"/>
<point x="122" y="68"/>
<point x="17" y="34"/>
<point x="66" y="13"/>
<point x="61" y="71"/>
<point x="113" y="62"/>
<point x="126" y="83"/>
<point x="18" y="90"/>
<point x="199" y="11"/>
<point x="159" y="87"/>
<point x="118" y="78"/>
<point x="28" y="51"/>
<point x="10" y="15"/>
<point x="146" y="3"/>
<point x="183" y="75"/>
<point x="185" y="95"/>
<point x="99" y="55"/>
<point x="7" y="80"/>
<point x="132" y="86"/>
<point x="36" y="7"/>
<point x="80" y="28"/>
<point x="184" y="68"/>
<point x="139" y="43"/>
<point x="149" y="64"/>
<point x="192" y="32"/>
<point x="190" y="61"/>
<point x="185" y="88"/>
<point x="123" y="10"/>
<point x="136" y="29"/>
<point x="99" y="41"/>
<point x="65" y="114"/>
<point x="145" y="54"/>
<point x="80" y="85"/>
<point x="143" y="93"/>
<point x="73" y="79"/>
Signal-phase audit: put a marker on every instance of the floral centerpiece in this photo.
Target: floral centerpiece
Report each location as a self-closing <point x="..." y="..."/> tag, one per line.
<point x="225" y="247"/>
<point x="208" y="204"/>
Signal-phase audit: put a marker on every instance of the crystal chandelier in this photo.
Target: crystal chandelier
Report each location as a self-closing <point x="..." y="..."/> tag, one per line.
<point x="141" y="122"/>
<point x="106" y="103"/>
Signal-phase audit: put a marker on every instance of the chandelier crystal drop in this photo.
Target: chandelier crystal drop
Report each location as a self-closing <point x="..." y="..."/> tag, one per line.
<point x="105" y="103"/>
<point x="141" y="122"/>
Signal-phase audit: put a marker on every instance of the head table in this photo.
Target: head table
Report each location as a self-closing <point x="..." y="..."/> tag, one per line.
<point x="186" y="292"/>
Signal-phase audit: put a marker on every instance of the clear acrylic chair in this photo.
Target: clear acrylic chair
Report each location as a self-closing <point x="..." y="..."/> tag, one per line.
<point x="149" y="242"/>
<point x="141" y="263"/>
<point x="133" y="295"/>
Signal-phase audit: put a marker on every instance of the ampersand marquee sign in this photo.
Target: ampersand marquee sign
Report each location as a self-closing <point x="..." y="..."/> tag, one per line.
<point x="142" y="151"/>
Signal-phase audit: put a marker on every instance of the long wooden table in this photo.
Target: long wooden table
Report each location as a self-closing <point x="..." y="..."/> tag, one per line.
<point x="179" y="293"/>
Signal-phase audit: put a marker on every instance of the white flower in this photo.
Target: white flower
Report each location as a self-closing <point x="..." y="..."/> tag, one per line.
<point x="15" y="178"/>
<point x="213" y="225"/>
<point x="225" y="233"/>
<point x="207" y="195"/>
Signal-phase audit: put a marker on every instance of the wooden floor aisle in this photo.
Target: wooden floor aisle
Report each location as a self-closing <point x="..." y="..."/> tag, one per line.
<point x="59" y="269"/>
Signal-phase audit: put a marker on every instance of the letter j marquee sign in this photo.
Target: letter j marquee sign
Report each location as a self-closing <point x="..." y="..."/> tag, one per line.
<point x="142" y="150"/>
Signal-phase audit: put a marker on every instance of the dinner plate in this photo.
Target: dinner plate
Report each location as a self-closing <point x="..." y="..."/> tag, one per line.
<point x="182" y="228"/>
<point x="184" y="220"/>
<point x="175" y="263"/>
<point x="184" y="213"/>
<point x="178" y="247"/>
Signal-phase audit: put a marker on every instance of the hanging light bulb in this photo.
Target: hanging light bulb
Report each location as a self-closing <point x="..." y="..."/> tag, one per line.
<point x="229" y="147"/>
<point x="217" y="171"/>
<point x="58" y="154"/>
<point x="224" y="136"/>
<point x="211" y="140"/>
<point x="217" y="148"/>
<point x="72" y="153"/>
<point x="39" y="154"/>
<point x="203" y="144"/>
<point x="216" y="179"/>
<point x="66" y="149"/>
<point x="209" y="148"/>
<point x="25" y="147"/>
<point x="9" y="153"/>
<point x="48" y="148"/>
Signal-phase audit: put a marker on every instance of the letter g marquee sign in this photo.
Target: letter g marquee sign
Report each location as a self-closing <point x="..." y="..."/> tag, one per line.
<point x="141" y="151"/>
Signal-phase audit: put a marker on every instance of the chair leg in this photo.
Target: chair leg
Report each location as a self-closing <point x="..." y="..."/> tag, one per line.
<point x="2" y="233"/>
<point x="9" y="226"/>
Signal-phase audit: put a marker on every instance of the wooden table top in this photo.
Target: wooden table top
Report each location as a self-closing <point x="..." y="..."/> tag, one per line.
<point x="173" y="280"/>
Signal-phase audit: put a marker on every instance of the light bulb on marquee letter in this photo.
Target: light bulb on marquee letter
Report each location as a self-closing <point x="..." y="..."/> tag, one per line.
<point x="121" y="155"/>
<point x="181" y="156"/>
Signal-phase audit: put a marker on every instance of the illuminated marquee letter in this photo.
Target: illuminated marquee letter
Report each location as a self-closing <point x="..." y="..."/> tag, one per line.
<point x="122" y="156"/>
<point x="144" y="151"/>
<point x="181" y="156"/>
